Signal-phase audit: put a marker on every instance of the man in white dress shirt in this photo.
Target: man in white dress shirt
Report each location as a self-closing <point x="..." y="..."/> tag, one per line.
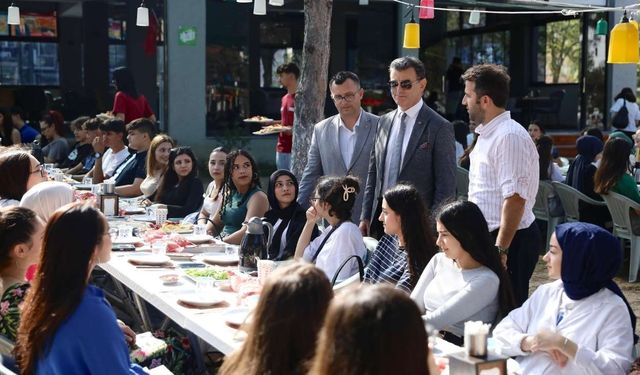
<point x="341" y="144"/>
<point x="503" y="177"/>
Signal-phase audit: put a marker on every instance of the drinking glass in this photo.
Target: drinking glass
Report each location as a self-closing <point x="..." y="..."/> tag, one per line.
<point x="87" y="180"/>
<point x="199" y="229"/>
<point x="159" y="247"/>
<point x="204" y="285"/>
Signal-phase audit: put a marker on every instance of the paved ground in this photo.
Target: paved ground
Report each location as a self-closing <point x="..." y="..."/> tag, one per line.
<point x="630" y="290"/>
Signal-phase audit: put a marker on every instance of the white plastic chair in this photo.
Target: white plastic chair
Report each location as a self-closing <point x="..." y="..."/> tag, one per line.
<point x="6" y="346"/>
<point x="571" y="198"/>
<point x="620" y="209"/>
<point x="462" y="183"/>
<point x="542" y="211"/>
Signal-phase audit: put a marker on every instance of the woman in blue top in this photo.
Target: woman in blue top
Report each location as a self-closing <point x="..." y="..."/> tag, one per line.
<point x="67" y="326"/>
<point x="243" y="198"/>
<point x="407" y="245"/>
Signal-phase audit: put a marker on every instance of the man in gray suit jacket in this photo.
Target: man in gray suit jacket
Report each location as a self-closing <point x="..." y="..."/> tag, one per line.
<point x="413" y="144"/>
<point x="341" y="144"/>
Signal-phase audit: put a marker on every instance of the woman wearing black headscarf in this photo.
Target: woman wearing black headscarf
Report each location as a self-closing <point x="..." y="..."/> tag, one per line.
<point x="286" y="215"/>
<point x="580" y="177"/>
<point x="581" y="323"/>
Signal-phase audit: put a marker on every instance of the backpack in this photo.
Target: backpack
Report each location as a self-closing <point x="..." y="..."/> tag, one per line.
<point x="621" y="119"/>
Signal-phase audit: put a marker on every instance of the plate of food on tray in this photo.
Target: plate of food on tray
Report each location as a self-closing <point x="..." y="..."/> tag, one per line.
<point x="261" y="119"/>
<point x="272" y="129"/>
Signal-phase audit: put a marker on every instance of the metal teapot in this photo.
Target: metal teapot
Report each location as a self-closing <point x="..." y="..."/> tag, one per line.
<point x="254" y="243"/>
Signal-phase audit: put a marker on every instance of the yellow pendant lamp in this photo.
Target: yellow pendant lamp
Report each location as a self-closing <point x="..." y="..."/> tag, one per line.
<point x="412" y="33"/>
<point x="623" y="43"/>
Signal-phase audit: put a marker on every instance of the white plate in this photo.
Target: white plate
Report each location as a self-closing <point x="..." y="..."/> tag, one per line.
<point x="221" y="259"/>
<point x="198" y="239"/>
<point x="126" y="240"/>
<point x="143" y="218"/>
<point x="149" y="259"/>
<point x="201" y="300"/>
<point x="236" y="316"/>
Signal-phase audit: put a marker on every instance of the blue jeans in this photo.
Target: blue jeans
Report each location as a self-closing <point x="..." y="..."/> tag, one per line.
<point x="283" y="160"/>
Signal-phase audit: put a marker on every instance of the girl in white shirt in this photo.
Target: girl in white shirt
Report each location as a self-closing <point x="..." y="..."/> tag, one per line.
<point x="627" y="99"/>
<point x="157" y="163"/>
<point x="213" y="194"/>
<point x="332" y="201"/>
<point x="581" y="323"/>
<point x="467" y="280"/>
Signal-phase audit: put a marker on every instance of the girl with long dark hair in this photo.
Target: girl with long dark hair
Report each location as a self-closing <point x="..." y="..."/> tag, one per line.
<point x="181" y="189"/>
<point x="21" y="233"/>
<point x="128" y="104"/>
<point x="67" y="326"/>
<point x="19" y="172"/>
<point x="286" y="215"/>
<point x="332" y="200"/>
<point x="10" y="135"/>
<point x="281" y="336"/>
<point x="613" y="173"/>
<point x="467" y="281"/>
<point x="407" y="246"/>
<point x="215" y="191"/>
<point x="549" y="170"/>
<point x="243" y="198"/>
<point x="374" y="329"/>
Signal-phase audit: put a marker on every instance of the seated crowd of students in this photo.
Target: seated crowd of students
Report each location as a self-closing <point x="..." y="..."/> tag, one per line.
<point x="578" y="323"/>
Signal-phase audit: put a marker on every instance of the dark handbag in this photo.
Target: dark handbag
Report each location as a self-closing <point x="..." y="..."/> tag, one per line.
<point x="621" y="119"/>
<point x="360" y="268"/>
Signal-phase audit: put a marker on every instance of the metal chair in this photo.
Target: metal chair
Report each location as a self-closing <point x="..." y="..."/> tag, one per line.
<point x="571" y="198"/>
<point x="620" y="208"/>
<point x="542" y="209"/>
<point x="462" y="183"/>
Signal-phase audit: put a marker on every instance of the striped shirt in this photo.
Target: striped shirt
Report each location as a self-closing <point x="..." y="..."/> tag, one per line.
<point x="388" y="264"/>
<point x="504" y="162"/>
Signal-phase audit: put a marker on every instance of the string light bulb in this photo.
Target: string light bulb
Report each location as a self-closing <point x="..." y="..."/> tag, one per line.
<point x="426" y="10"/>
<point x="142" y="17"/>
<point x="13" y="15"/>
<point x="244" y="1"/>
<point x="474" y="17"/>
<point x="260" y="7"/>
<point x="623" y="43"/>
<point x="277" y="3"/>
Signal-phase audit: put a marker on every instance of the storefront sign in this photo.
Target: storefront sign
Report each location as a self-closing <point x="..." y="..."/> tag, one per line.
<point x="186" y="35"/>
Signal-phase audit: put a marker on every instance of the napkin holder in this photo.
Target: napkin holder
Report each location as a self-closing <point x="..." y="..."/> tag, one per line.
<point x="462" y="363"/>
<point x="109" y="204"/>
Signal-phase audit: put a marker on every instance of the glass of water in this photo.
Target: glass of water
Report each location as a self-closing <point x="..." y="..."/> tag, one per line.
<point x="199" y="229"/>
<point x="87" y="180"/>
<point x="159" y="248"/>
<point x="204" y="285"/>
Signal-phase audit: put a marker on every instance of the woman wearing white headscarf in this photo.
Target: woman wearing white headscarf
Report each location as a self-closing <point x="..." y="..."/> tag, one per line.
<point x="47" y="197"/>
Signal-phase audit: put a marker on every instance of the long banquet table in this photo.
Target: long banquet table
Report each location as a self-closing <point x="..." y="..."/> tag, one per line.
<point x="208" y="324"/>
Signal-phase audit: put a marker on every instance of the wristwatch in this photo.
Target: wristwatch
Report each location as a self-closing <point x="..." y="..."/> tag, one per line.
<point x="503" y="250"/>
<point x="97" y="155"/>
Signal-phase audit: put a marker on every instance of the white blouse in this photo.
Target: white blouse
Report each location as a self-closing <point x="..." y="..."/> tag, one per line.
<point x="599" y="325"/>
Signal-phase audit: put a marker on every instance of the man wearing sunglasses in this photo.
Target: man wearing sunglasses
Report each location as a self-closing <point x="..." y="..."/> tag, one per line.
<point x="413" y="144"/>
<point x="341" y="144"/>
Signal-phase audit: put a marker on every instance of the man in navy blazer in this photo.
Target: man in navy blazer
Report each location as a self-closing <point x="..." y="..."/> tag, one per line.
<point x="341" y="144"/>
<point x="413" y="144"/>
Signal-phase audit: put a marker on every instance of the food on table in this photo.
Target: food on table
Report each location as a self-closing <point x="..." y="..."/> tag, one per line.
<point x="80" y="195"/>
<point x="272" y="129"/>
<point x="169" y="227"/>
<point x="213" y="272"/>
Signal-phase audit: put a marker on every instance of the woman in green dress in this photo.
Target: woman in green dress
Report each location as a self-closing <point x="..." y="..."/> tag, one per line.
<point x="243" y="198"/>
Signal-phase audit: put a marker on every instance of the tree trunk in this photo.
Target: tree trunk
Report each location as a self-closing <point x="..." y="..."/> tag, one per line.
<point x="312" y="88"/>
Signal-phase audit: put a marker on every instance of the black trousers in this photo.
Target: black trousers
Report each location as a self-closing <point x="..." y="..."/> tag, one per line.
<point x="376" y="230"/>
<point x="522" y="260"/>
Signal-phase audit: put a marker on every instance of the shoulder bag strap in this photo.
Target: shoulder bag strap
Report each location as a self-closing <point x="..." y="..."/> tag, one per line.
<point x="360" y="268"/>
<point x="324" y="241"/>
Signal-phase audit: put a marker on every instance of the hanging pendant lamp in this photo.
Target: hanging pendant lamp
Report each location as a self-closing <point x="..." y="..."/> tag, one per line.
<point x="411" y="33"/>
<point x="623" y="43"/>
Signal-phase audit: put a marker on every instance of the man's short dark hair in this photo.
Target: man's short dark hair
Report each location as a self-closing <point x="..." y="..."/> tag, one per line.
<point x="92" y="124"/>
<point x="143" y="125"/>
<point x="340" y="78"/>
<point x="77" y="123"/>
<point x="491" y="80"/>
<point x="406" y="62"/>
<point x="289" y="68"/>
<point x="113" y="125"/>
<point x="16" y="111"/>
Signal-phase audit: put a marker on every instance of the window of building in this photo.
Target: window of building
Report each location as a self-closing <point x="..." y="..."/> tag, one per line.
<point x="29" y="63"/>
<point x="558" y="52"/>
